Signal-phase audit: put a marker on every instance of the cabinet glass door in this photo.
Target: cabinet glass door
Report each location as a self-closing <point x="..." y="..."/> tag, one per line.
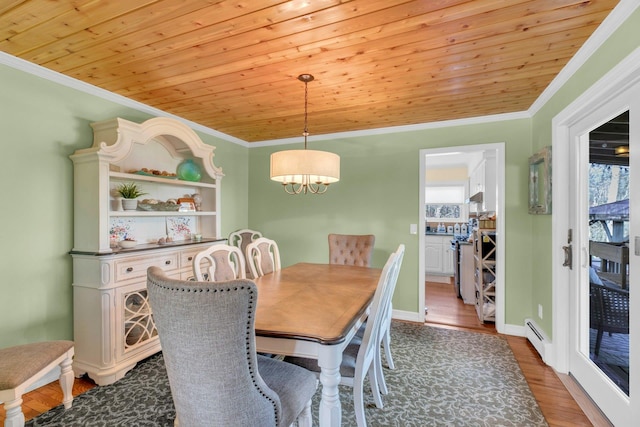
<point x="138" y="322"/>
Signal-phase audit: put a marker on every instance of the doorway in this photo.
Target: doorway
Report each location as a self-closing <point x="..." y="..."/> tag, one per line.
<point x="442" y="162"/>
<point x="604" y="265"/>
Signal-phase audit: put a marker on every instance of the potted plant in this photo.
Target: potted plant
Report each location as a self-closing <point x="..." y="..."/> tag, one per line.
<point x="129" y="191"/>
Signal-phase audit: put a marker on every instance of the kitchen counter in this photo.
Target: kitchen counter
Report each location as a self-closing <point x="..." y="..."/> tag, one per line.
<point x="433" y="233"/>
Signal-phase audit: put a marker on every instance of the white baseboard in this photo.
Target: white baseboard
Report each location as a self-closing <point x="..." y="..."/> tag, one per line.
<point x="514" y="330"/>
<point x="437" y="278"/>
<point x="408" y="316"/>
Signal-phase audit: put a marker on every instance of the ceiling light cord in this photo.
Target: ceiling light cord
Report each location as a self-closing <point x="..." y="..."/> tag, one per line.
<point x="305" y="132"/>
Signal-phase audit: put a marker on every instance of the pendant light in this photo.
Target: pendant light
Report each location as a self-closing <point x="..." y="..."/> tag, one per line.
<point x="305" y="171"/>
<point x="622" y="151"/>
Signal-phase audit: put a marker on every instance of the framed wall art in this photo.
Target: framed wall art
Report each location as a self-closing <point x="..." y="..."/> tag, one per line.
<point x="540" y="182"/>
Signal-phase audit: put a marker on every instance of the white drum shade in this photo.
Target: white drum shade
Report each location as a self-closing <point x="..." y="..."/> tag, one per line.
<point x="305" y="167"/>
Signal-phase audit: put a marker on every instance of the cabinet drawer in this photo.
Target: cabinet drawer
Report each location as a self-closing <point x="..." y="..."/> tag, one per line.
<point x="186" y="257"/>
<point x="127" y="269"/>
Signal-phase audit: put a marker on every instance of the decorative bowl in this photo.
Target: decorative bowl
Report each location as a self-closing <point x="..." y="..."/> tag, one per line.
<point x="188" y="170"/>
<point x="127" y="244"/>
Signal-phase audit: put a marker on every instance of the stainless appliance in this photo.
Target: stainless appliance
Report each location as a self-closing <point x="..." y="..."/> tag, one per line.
<point x="455" y="250"/>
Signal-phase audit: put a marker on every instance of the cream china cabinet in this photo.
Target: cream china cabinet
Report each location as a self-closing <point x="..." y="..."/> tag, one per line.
<point x="113" y="326"/>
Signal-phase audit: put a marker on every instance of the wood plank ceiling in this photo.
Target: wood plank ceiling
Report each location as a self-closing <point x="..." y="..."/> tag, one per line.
<point x="231" y="65"/>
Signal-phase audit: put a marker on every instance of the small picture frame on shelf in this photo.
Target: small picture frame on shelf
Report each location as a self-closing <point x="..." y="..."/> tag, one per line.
<point x="187" y="207"/>
<point x="187" y="204"/>
<point x="180" y="228"/>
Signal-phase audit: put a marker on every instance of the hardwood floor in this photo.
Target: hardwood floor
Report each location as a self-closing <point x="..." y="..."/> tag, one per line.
<point x="46" y="397"/>
<point x="444" y="310"/>
<point x="557" y="404"/>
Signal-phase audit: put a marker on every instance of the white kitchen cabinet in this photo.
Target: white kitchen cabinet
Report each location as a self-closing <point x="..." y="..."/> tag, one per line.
<point x="438" y="256"/>
<point x="489" y="202"/>
<point x="113" y="325"/>
<point x="433" y="254"/>
<point x="483" y="179"/>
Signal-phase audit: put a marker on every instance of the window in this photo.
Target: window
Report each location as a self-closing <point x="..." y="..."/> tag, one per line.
<point x="446" y="203"/>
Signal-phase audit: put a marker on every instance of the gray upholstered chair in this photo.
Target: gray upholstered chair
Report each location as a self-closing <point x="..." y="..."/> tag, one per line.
<point x="240" y="239"/>
<point x="263" y="257"/>
<point x="219" y="263"/>
<point x="351" y="249"/>
<point x="207" y="334"/>
<point x="361" y="356"/>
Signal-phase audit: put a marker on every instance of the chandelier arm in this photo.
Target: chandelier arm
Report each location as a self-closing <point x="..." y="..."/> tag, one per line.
<point x="318" y="188"/>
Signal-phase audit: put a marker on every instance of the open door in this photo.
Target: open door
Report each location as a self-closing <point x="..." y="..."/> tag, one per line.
<point x="597" y="218"/>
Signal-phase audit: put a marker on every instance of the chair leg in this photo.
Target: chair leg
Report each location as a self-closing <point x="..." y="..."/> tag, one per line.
<point x="14" y="416"/>
<point x="380" y="373"/>
<point x="358" y="404"/>
<point x="598" y="341"/>
<point x="386" y="343"/>
<point x="374" y="382"/>
<point x="304" y="419"/>
<point x="66" y="381"/>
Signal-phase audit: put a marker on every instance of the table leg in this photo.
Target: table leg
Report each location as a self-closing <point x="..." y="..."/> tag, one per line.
<point x="329" y="360"/>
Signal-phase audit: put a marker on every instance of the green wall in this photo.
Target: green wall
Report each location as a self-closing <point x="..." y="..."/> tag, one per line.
<point x="43" y="123"/>
<point x="619" y="45"/>
<point x="378" y="193"/>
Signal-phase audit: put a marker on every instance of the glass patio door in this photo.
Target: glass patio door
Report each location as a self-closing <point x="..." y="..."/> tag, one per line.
<point x="605" y="215"/>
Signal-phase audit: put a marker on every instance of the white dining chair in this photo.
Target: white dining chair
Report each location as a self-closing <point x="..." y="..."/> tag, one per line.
<point x="241" y="238"/>
<point x="360" y="357"/>
<point x="263" y="257"/>
<point x="219" y="263"/>
<point x="384" y="336"/>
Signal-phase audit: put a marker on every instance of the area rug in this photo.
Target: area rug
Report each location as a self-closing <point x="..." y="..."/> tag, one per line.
<point x="443" y="377"/>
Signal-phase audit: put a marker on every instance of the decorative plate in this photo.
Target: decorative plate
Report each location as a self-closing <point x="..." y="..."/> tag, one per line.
<point x="143" y="173"/>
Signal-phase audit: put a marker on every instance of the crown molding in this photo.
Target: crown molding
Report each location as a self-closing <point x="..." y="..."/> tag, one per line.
<point x="398" y="129"/>
<point x="54" y="76"/>
<point x="610" y="24"/>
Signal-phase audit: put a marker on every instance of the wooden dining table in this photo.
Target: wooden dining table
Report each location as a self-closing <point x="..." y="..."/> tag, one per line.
<point x="313" y="310"/>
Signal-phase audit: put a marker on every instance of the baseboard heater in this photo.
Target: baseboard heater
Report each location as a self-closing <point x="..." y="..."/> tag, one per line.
<point x="536" y="337"/>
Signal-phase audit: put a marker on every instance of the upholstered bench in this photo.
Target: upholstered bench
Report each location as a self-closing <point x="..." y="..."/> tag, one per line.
<point x="23" y="365"/>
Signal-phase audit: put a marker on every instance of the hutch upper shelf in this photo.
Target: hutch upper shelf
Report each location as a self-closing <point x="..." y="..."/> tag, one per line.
<point x="120" y="150"/>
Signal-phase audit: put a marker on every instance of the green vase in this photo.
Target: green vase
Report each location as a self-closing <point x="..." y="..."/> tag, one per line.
<point x="188" y="171"/>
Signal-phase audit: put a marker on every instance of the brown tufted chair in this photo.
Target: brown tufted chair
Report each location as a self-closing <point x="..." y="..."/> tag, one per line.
<point x="351" y="249"/>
